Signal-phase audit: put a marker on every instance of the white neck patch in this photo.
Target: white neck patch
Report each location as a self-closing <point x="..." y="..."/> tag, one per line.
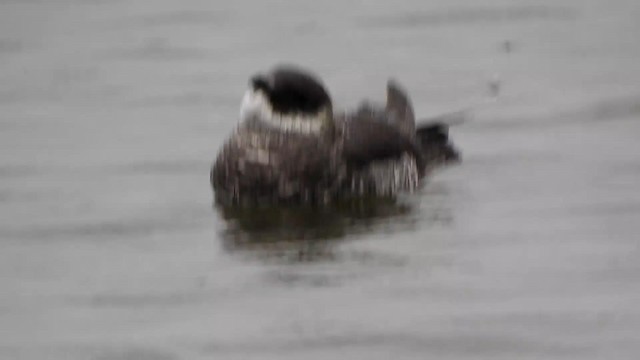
<point x="256" y="105"/>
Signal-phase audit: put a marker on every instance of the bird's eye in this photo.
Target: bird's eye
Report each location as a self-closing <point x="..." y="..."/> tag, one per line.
<point x="259" y="83"/>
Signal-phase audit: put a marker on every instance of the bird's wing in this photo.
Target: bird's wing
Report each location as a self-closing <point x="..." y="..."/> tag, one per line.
<point x="367" y="140"/>
<point x="399" y="109"/>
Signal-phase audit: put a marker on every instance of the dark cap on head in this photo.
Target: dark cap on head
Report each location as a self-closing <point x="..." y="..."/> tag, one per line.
<point x="292" y="90"/>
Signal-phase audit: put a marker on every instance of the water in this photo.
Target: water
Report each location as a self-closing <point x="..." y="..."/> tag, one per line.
<point x="112" y="111"/>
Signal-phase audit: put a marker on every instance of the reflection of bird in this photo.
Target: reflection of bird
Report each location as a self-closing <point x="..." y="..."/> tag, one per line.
<point x="291" y="148"/>
<point x="308" y="233"/>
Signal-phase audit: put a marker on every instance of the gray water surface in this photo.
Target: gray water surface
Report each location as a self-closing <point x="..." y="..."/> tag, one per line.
<point x="112" y="111"/>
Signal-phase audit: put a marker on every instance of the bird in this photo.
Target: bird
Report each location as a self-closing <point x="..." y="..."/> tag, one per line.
<point x="290" y="147"/>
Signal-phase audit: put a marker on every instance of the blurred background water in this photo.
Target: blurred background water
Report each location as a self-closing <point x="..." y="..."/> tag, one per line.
<point x="111" y="112"/>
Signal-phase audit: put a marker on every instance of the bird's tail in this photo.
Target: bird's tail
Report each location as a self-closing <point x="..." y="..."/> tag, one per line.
<point x="435" y="145"/>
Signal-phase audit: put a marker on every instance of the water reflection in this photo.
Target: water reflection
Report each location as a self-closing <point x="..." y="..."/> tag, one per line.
<point x="305" y="234"/>
<point x="302" y="233"/>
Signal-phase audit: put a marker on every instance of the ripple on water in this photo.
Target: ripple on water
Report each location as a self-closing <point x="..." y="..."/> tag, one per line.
<point x="471" y="16"/>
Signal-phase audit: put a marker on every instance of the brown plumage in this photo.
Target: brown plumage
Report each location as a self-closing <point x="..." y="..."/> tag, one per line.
<point x="305" y="154"/>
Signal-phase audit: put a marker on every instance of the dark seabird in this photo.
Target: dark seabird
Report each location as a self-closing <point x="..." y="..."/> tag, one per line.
<point x="290" y="147"/>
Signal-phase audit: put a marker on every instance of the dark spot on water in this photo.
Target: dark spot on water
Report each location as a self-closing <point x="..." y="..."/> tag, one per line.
<point x="494" y="87"/>
<point x="507" y="46"/>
